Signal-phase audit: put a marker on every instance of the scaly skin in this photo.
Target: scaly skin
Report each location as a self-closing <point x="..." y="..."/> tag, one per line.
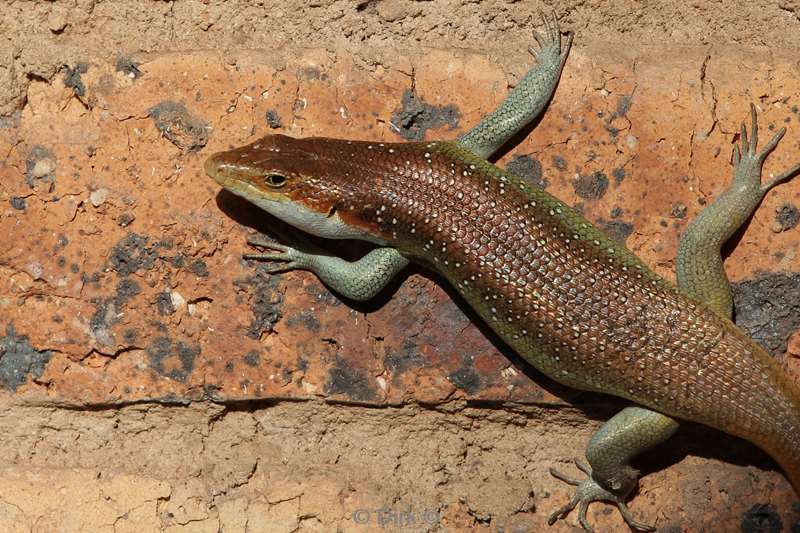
<point x="702" y="277"/>
<point x="267" y="171"/>
<point x="527" y="100"/>
<point x="699" y="264"/>
<point x="574" y="303"/>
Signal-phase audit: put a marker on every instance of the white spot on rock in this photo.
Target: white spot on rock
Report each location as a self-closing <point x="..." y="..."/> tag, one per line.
<point x="98" y="197"/>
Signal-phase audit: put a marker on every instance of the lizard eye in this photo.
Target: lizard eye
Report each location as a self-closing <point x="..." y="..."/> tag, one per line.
<point x="275" y="180"/>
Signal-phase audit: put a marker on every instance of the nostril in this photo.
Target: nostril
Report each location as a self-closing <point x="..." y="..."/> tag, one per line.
<point x="212" y="166"/>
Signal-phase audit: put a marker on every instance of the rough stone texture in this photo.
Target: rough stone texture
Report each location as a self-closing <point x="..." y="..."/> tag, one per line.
<point x="122" y="287"/>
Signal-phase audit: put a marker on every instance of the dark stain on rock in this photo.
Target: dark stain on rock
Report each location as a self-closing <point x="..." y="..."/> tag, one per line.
<point x="180" y="127"/>
<point x="174" y="360"/>
<point x="612" y="131"/>
<point x="623" y="106"/>
<point x="252" y="358"/>
<point x="305" y="318"/>
<point x="679" y="210"/>
<point x="302" y="364"/>
<point x="133" y="253"/>
<point x="343" y="379"/>
<point x="72" y="78"/>
<point x="129" y="67"/>
<point x="103" y="316"/>
<point x="618" y="174"/>
<point x="322" y="295"/>
<point x="163" y="303"/>
<point x="179" y="261"/>
<point x="211" y="393"/>
<point x="266" y="301"/>
<point x="311" y="73"/>
<point x="528" y="168"/>
<point x="591" y="187"/>
<point x="107" y="310"/>
<point x="19" y="360"/>
<point x="199" y="268"/>
<point x="93" y="278"/>
<point x="559" y="162"/>
<point x="615" y="212"/>
<point x="273" y="119"/>
<point x="767" y="308"/>
<point x="18" y="203"/>
<point x="125" y="219"/>
<point x="618" y="230"/>
<point x="787" y="216"/>
<point x="129" y="336"/>
<point x="126" y="289"/>
<point x="415" y="117"/>
<point x="466" y="379"/>
<point x="761" y="518"/>
<point x="408" y="357"/>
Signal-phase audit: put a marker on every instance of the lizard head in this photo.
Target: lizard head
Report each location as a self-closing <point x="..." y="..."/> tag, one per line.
<point x="292" y="180"/>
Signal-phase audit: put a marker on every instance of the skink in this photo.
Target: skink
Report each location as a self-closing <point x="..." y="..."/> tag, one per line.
<point x="577" y="305"/>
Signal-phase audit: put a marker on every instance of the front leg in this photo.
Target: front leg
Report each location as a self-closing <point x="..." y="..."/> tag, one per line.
<point x="359" y="280"/>
<point x="528" y="99"/>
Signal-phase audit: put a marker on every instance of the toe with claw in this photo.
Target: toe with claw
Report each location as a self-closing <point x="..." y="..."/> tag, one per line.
<point x="290" y="258"/>
<point x="588" y="490"/>
<point x="748" y="160"/>
<point x="551" y="41"/>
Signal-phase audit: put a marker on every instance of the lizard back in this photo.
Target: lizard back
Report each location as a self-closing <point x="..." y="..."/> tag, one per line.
<point x="578" y="306"/>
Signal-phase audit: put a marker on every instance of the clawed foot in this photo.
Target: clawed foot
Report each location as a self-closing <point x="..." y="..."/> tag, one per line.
<point x="588" y="491"/>
<point x="551" y="41"/>
<point x="291" y="258"/>
<point x="747" y="161"/>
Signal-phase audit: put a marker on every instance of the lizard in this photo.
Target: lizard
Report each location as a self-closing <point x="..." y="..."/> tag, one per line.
<point x="575" y="304"/>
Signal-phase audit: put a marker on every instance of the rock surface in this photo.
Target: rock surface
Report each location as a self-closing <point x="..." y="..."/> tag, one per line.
<point x="167" y="384"/>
